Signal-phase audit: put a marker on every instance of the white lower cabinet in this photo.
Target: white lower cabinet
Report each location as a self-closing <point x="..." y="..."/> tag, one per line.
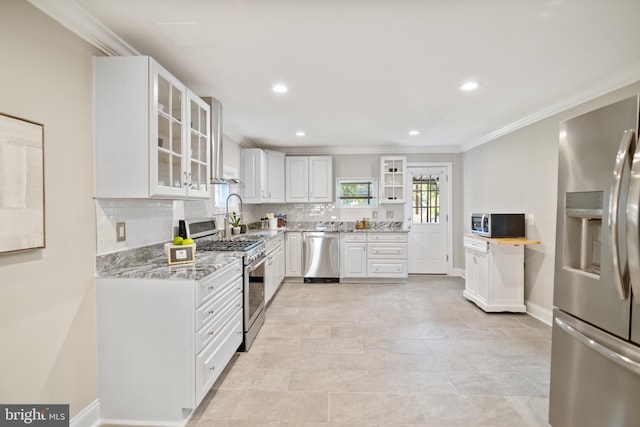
<point x="293" y="254"/>
<point x="353" y="255"/>
<point x="274" y="268"/>
<point x="494" y="275"/>
<point x="387" y="255"/>
<point x="373" y="255"/>
<point x="163" y="343"/>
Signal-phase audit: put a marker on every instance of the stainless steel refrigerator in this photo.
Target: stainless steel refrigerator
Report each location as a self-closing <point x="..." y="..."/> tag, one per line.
<point x="595" y="353"/>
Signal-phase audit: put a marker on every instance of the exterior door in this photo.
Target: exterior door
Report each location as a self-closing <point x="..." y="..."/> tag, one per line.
<point x="428" y="215"/>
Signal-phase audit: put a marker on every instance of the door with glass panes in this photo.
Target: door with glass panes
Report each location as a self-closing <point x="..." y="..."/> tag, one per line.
<point x="427" y="213"/>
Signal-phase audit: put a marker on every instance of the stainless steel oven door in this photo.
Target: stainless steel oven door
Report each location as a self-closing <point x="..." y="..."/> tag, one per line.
<point x="254" y="275"/>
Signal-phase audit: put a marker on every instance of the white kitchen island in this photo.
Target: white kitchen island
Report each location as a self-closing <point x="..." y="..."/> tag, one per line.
<point x="494" y="272"/>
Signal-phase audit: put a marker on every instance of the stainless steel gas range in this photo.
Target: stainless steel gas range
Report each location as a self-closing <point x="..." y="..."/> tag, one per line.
<point x="253" y="256"/>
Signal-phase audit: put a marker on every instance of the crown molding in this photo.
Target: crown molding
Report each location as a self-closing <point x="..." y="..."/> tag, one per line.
<point x="615" y="81"/>
<point x="80" y="22"/>
<point x="369" y="150"/>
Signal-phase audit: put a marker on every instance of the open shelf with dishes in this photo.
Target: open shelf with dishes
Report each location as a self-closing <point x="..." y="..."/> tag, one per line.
<point x="393" y="179"/>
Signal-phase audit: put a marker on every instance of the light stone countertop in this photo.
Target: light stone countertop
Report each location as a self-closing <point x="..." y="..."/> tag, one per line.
<point x="335" y="226"/>
<point x="151" y="263"/>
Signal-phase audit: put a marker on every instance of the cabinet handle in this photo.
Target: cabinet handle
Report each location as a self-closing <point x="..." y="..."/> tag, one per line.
<point x="185" y="177"/>
<point x="211" y="311"/>
<point x="212" y="368"/>
<point x="190" y="180"/>
<point x="211" y="288"/>
<point x="238" y="305"/>
<point x="212" y="332"/>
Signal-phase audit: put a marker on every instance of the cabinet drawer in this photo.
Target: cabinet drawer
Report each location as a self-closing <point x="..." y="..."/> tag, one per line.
<point x="214" y="358"/>
<point x="387" y="237"/>
<point x="220" y="298"/>
<point x="207" y="286"/>
<point x="387" y="269"/>
<point x="273" y="243"/>
<point x="387" y="250"/>
<point x="355" y="237"/>
<point x="211" y="331"/>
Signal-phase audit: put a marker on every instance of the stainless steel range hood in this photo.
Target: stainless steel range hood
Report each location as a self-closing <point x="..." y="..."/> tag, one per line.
<point x="217" y="176"/>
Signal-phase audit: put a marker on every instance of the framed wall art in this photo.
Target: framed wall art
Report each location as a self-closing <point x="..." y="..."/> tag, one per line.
<point x="21" y="184"/>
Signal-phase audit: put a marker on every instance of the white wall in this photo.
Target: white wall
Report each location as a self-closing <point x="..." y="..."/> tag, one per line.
<point x="47" y="298"/>
<point x="518" y="173"/>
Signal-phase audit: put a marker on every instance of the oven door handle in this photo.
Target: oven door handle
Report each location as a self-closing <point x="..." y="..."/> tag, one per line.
<point x="257" y="263"/>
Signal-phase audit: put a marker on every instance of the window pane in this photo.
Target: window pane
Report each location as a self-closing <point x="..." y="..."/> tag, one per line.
<point x="356" y="192"/>
<point x="426" y="199"/>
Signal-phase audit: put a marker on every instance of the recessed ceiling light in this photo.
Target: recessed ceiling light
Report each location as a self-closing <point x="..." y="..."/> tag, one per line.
<point x="470" y="85"/>
<point x="301" y="133"/>
<point x="280" y="88"/>
<point x="414" y="132"/>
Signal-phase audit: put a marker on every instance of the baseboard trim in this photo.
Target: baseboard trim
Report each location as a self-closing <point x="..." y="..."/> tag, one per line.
<point x="88" y="417"/>
<point x="542" y="314"/>
<point x="459" y="272"/>
<point x="145" y="423"/>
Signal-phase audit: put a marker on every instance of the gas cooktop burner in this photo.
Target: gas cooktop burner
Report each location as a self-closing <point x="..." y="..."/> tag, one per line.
<point x="229" y="245"/>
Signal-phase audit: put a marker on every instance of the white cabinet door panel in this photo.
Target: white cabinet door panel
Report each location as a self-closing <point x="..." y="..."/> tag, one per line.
<point x="297" y="179"/>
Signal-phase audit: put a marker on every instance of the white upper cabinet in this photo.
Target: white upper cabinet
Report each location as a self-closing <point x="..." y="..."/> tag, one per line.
<point x="254" y="175"/>
<point x="199" y="146"/>
<point x="309" y="179"/>
<point x="262" y="176"/>
<point x="297" y="179"/>
<point x="275" y="179"/>
<point x="321" y="179"/>
<point x="151" y="135"/>
<point x="393" y="175"/>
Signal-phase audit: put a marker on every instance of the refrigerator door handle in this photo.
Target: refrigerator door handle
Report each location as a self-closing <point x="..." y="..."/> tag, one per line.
<point x="620" y="272"/>
<point x="607" y="352"/>
<point x="633" y="222"/>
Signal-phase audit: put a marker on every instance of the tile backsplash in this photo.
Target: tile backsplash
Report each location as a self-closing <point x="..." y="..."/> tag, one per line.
<point x="147" y="221"/>
<point x="324" y="212"/>
<point x="151" y="221"/>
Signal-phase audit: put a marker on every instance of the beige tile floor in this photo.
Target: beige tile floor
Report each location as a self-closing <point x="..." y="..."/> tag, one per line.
<point x="415" y="354"/>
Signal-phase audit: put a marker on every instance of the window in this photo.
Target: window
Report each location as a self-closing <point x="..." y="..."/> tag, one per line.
<point x="426" y="199"/>
<point x="356" y="192"/>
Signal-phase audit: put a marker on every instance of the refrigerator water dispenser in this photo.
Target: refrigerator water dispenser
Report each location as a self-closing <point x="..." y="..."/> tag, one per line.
<point x="583" y="231"/>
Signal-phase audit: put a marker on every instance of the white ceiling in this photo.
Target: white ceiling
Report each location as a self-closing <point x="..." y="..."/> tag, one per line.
<point x="362" y="73"/>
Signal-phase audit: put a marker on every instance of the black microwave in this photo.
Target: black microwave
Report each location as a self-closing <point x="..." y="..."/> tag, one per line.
<point x="498" y="225"/>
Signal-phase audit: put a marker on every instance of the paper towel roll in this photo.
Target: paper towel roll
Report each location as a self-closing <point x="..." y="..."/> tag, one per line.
<point x="273" y="223"/>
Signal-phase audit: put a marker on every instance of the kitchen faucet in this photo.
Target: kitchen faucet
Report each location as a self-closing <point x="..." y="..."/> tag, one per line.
<point x="226" y="211"/>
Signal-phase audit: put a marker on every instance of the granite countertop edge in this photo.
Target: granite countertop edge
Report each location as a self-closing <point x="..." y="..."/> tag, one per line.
<point x="333" y="227"/>
<point x="151" y="263"/>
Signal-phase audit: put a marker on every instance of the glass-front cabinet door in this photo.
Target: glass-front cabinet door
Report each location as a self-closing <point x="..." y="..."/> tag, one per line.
<point x="392" y="176"/>
<point x="169" y="176"/>
<point x="199" y="147"/>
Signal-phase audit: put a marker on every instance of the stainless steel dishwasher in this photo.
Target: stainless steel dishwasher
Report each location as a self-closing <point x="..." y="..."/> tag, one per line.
<point x="321" y="257"/>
